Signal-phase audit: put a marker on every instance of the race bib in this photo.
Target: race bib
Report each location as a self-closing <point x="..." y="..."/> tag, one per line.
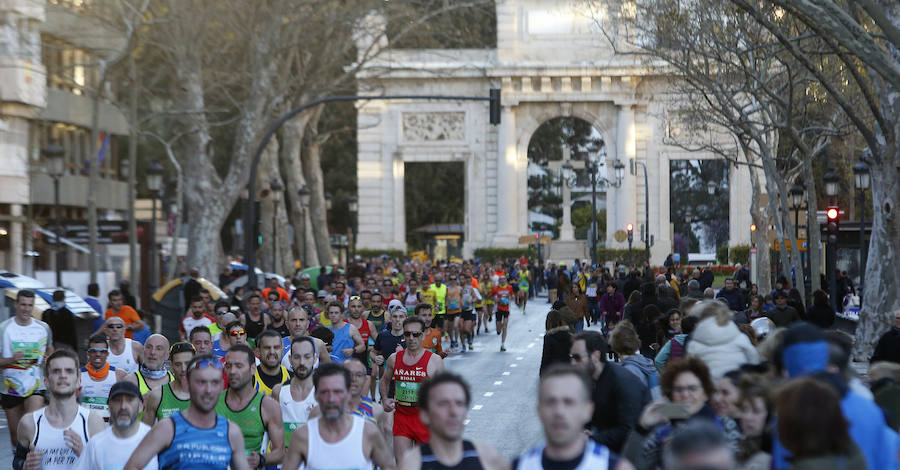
<point x="591" y="291"/>
<point x="407" y="392"/>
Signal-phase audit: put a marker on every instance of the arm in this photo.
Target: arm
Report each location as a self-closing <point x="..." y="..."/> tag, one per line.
<point x="155" y="441"/>
<point x="32" y="459"/>
<point x="663" y="356"/>
<point x="120" y="374"/>
<point x="96" y="425"/>
<point x="412" y="460"/>
<point x="322" y="351"/>
<point x="435" y="365"/>
<point x="132" y="378"/>
<point x="358" y="344"/>
<point x="378" y="453"/>
<point x="151" y="405"/>
<point x="296" y="453"/>
<point x="385" y="384"/>
<point x="236" y="440"/>
<point x="137" y="352"/>
<point x="271" y="414"/>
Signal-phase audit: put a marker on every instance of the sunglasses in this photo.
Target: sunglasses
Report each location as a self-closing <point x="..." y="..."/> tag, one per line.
<point x="221" y="312"/>
<point x="355" y="297"/>
<point x="413" y="334"/>
<point x="238" y="332"/>
<point x="116" y="326"/>
<point x="180" y="347"/>
<point x="204" y="363"/>
<point x="97" y="350"/>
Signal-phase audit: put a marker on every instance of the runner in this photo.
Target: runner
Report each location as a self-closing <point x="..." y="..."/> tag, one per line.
<point x="485" y="316"/>
<point x="565" y="407"/>
<point x="117" y="308"/>
<point x="454" y="307"/>
<point x="436" y="295"/>
<point x="347" y="340"/>
<point x="196" y="437"/>
<point x="298" y="321"/>
<point x="196" y="317"/>
<point x="360" y="405"/>
<point x="124" y="353"/>
<point x="111" y="448"/>
<point x="408" y="369"/>
<point x="223" y="344"/>
<point x="367" y="332"/>
<point x="432" y="339"/>
<point x="337" y="439"/>
<point x="24" y="342"/>
<point x="254" y="412"/>
<point x="412" y="296"/>
<point x="524" y="285"/>
<point x="152" y="372"/>
<point x="389" y="342"/>
<point x="297" y="400"/>
<point x="202" y="340"/>
<point x="270" y="372"/>
<point x="470" y="296"/>
<point x="377" y="312"/>
<point x="255" y="321"/>
<point x="502" y="293"/>
<point x="54" y="436"/>
<point x="174" y="396"/>
<point x="98" y="377"/>
<point x="443" y="404"/>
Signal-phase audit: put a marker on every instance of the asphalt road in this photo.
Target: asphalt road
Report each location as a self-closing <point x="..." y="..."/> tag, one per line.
<point x="504" y="385"/>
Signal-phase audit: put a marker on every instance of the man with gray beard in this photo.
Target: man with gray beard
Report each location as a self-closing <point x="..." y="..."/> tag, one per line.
<point x="111" y="448"/>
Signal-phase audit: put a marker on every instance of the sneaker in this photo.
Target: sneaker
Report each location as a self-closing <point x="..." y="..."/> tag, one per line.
<point x="470" y="345"/>
<point x="502" y="347"/>
<point x="498" y="331"/>
<point x="463" y="348"/>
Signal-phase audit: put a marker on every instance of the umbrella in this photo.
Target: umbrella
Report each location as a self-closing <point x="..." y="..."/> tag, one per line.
<point x="260" y="277"/>
<point x="74" y="303"/>
<point x="313" y="272"/>
<point x="8" y="279"/>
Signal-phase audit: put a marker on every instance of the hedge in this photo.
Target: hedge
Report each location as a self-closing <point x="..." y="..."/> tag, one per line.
<point x="366" y="253"/>
<point x="621" y="255"/>
<point x="501" y="254"/>
<point x="733" y="254"/>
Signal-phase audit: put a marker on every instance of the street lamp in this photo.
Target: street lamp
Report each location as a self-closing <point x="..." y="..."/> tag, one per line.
<point x="832" y="183"/>
<point x="54" y="155"/>
<point x="154" y="185"/>
<point x="353" y="207"/>
<point x="646" y="234"/>
<point x="798" y="195"/>
<point x="276" y="188"/>
<point x="861" y="179"/>
<point x="711" y="188"/>
<point x="303" y="193"/>
<point x="594" y="168"/>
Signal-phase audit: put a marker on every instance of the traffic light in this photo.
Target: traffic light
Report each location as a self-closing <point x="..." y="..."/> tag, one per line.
<point x="833" y="214"/>
<point x="257" y="229"/>
<point x="752" y="228"/>
<point x="630" y="229"/>
<point x="495" y="105"/>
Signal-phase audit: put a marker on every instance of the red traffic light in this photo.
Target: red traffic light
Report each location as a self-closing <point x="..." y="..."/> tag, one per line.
<point x="832" y="213"/>
<point x="629" y="227"/>
<point x="752" y="227"/>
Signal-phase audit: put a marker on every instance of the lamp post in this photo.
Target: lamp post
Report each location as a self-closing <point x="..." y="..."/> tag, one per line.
<point x="303" y="193"/>
<point x="861" y="180"/>
<point x="646" y="234"/>
<point x="276" y="188"/>
<point x="55" y="157"/>
<point x="353" y="207"/>
<point x="832" y="185"/>
<point x="154" y="184"/>
<point x="593" y="166"/>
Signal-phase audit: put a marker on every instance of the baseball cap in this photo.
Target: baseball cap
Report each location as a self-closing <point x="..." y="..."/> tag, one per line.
<point x="304" y="276"/>
<point x="124" y="387"/>
<point x="395" y="304"/>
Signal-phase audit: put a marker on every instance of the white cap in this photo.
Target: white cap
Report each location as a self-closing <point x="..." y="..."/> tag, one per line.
<point x="395" y="304"/>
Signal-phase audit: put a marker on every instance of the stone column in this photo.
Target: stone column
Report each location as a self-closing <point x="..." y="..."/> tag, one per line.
<point x="566" y="231"/>
<point x="16" y="242"/>
<point x="739" y="200"/>
<point x="626" y="210"/>
<point x="507" y="187"/>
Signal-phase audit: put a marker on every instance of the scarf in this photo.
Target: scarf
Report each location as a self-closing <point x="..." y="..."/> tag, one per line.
<point x="97" y="375"/>
<point x="153" y="374"/>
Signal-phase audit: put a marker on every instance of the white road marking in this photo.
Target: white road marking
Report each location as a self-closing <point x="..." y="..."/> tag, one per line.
<point x="530" y="345"/>
<point x="499" y="382"/>
<point x="514" y="365"/>
<point x="506" y="373"/>
<point x="477" y="407"/>
<point x="466" y="422"/>
<point x="519" y="358"/>
<point x="488" y="394"/>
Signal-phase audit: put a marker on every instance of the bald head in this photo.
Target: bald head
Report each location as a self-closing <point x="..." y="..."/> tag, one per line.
<point x="156" y="350"/>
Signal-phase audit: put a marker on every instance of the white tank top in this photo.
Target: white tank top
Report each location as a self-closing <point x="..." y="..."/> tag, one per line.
<point x="294" y="413"/>
<point x="95" y="395"/>
<point x="50" y="440"/>
<point x="348" y="453"/>
<point x="124" y="361"/>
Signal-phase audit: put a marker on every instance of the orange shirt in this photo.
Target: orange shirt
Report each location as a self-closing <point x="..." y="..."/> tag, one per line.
<point x="432" y="341"/>
<point x="128" y="315"/>
<point x="282" y="294"/>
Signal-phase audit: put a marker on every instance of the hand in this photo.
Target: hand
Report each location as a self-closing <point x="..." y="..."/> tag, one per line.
<point x="73" y="441"/>
<point x="33" y="459"/>
<point x="443" y="354"/>
<point x="651" y="416"/>
<point x="253" y="460"/>
<point x="388" y="404"/>
<point x="347" y="352"/>
<point x="379" y="360"/>
<point x="18" y="355"/>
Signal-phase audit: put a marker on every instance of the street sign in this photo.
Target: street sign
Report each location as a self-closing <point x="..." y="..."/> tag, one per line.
<point x="108" y="231"/>
<point x="620" y="235"/>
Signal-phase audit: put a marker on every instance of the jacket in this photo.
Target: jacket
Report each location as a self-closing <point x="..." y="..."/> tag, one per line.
<point x="612" y="304"/>
<point x="821" y="316"/>
<point x="783" y="317"/>
<point x="888" y="347"/>
<point x="853" y="459"/>
<point x="734" y="297"/>
<point x="721" y="347"/>
<point x="643" y="369"/>
<point x="619" y="397"/>
<point x="579" y="306"/>
<point x="557" y="343"/>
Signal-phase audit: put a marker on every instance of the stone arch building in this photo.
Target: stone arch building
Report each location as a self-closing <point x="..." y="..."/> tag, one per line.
<point x="550" y="61"/>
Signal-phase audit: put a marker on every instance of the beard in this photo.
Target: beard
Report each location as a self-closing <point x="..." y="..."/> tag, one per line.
<point x="302" y="372"/>
<point x="332" y="412"/>
<point x="123" y="420"/>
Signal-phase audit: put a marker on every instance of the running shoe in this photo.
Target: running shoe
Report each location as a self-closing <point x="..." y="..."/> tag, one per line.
<point x="470" y="345"/>
<point x="502" y="348"/>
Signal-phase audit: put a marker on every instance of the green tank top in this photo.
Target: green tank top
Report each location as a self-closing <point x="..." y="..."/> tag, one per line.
<point x="169" y="403"/>
<point x="249" y="420"/>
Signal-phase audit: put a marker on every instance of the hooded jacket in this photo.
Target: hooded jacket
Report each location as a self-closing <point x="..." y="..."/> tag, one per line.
<point x="721" y="347"/>
<point x="643" y="368"/>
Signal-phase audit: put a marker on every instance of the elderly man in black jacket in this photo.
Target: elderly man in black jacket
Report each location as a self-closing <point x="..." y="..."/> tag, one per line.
<point x="619" y="396"/>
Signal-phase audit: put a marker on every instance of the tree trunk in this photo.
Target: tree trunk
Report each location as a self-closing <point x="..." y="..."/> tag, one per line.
<point x="292" y="169"/>
<point x="760" y="219"/>
<point x="267" y="173"/>
<point x="813" y="234"/>
<point x="312" y="170"/>
<point x="882" y="268"/>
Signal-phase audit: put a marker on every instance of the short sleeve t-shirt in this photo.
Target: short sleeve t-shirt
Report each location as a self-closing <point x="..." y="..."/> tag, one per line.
<point x="21" y="379"/>
<point x="128" y="315"/>
<point x="188" y="323"/>
<point x="106" y="450"/>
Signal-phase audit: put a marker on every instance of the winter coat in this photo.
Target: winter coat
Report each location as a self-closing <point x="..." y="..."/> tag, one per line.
<point x="821" y="316"/>
<point x="854" y="459"/>
<point x="888" y="348"/>
<point x="643" y="368"/>
<point x="579" y="306"/>
<point x="721" y="347"/>
<point x="612" y="304"/>
<point x="619" y="397"/>
<point x="557" y="344"/>
<point x="734" y="297"/>
<point x="783" y="317"/>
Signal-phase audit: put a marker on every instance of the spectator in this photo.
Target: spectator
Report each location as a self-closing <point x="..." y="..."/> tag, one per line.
<point x="821" y="314"/>
<point x="674" y="349"/>
<point x="732" y="296"/>
<point x="693" y="290"/>
<point x="813" y="429"/>
<point x="557" y="341"/>
<point x="93" y="299"/>
<point x="645" y="325"/>
<point x="611" y="305"/>
<point x="718" y="341"/>
<point x="125" y="288"/>
<point x="635" y="303"/>
<point x="192" y="286"/>
<point x="783" y="315"/>
<point x="624" y="341"/>
<point x="752" y="313"/>
<point x="885" y="384"/>
<point x="698" y="445"/>
<point x="753" y="408"/>
<point x="707" y="277"/>
<point x="577" y="301"/>
<point x="61" y="321"/>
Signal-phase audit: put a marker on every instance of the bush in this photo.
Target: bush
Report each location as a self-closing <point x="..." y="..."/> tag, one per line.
<point x="501" y="254"/>
<point x="739" y="254"/>
<point x="621" y="255"/>
<point x="722" y="254"/>
<point x="366" y="253"/>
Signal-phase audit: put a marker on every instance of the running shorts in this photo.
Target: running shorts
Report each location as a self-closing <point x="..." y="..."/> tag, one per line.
<point x="409" y="425"/>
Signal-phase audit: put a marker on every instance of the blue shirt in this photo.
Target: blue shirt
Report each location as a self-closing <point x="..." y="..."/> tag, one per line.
<point x="342" y="340"/>
<point x="196" y="448"/>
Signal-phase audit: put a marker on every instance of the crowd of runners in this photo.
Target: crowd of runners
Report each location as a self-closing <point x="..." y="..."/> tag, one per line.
<point x="345" y="370"/>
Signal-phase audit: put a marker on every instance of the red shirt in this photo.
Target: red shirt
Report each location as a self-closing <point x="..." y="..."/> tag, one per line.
<point x="407" y="380"/>
<point x="502" y="296"/>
